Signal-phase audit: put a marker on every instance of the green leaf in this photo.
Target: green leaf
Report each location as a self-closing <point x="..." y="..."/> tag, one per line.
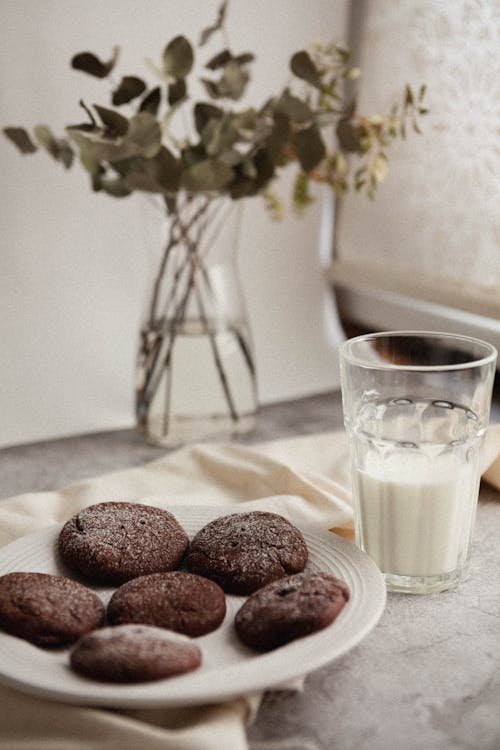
<point x="349" y="136"/>
<point x="278" y="137"/>
<point x="44" y="136"/>
<point x="310" y="147"/>
<point x="115" y="187"/>
<point x="233" y="81"/>
<point x="177" y="91"/>
<point x="65" y="152"/>
<point x="219" y="60"/>
<point x="294" y="108"/>
<point x="304" y="68"/>
<point x="130" y="87"/>
<point x="160" y="174"/>
<point x="145" y="132"/>
<point x="203" y="113"/>
<point x="59" y="149"/>
<point x="151" y="101"/>
<point x="115" y="123"/>
<point x="20" y="138"/>
<point x="91" y="64"/>
<point x="87" y="156"/>
<point x="207" y="175"/>
<point x="178" y="57"/>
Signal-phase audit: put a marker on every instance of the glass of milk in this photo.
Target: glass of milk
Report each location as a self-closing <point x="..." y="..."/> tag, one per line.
<point x="416" y="408"/>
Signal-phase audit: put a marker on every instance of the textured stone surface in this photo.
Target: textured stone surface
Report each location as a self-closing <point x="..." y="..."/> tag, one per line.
<point x="426" y="678"/>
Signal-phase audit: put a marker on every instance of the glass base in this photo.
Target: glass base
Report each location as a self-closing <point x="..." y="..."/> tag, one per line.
<point x="423" y="584"/>
<point x="185" y="430"/>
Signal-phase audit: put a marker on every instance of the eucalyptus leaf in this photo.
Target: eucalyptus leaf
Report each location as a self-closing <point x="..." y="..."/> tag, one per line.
<point x="304" y="68"/>
<point x="178" y="57"/>
<point x="177" y="92"/>
<point x="219" y="60"/>
<point x="144" y="130"/>
<point x="203" y="113"/>
<point x="115" y="123"/>
<point x="310" y="147"/>
<point x="231" y="84"/>
<point x="115" y="187"/>
<point x="349" y="135"/>
<point x="151" y="102"/>
<point x="65" y="154"/>
<point x="46" y="139"/>
<point x="160" y="174"/>
<point x="130" y="87"/>
<point x="294" y="108"/>
<point x="20" y="138"/>
<point x="278" y="137"/>
<point x="207" y="175"/>
<point x="91" y="64"/>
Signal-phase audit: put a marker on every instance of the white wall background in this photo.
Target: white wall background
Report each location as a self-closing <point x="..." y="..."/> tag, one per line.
<point x="73" y="264"/>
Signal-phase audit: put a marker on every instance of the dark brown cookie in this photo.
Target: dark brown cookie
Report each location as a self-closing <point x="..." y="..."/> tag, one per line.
<point x="289" y="609"/>
<point x="177" y="601"/>
<point x="133" y="653"/>
<point x="244" y="551"/>
<point x="47" y="610"/>
<point x="113" y="542"/>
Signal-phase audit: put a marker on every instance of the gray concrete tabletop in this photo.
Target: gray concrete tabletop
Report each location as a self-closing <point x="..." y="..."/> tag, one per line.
<point x="426" y="677"/>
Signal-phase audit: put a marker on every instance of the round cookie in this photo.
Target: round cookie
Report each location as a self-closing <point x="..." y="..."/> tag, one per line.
<point x="112" y="542"/>
<point x="133" y="653"/>
<point x="47" y="610"/>
<point x="288" y="609"/>
<point x="178" y="601"/>
<point x="244" y="551"/>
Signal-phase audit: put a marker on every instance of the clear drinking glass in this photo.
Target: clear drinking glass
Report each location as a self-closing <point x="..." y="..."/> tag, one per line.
<point x="416" y="408"/>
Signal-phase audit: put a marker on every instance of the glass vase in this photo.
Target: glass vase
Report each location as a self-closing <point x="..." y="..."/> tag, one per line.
<point x="196" y="376"/>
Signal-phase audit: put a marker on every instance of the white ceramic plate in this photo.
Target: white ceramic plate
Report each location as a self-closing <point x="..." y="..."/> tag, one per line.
<point x="229" y="669"/>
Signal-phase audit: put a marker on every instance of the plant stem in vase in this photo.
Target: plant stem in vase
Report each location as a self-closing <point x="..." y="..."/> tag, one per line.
<point x="196" y="371"/>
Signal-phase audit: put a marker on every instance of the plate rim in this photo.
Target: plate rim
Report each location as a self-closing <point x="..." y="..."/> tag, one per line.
<point x="121" y="696"/>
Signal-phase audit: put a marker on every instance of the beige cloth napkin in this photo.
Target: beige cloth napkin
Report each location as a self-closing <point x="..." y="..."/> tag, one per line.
<point x="306" y="477"/>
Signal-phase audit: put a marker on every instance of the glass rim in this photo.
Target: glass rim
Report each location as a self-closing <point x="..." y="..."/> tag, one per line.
<point x="489" y="357"/>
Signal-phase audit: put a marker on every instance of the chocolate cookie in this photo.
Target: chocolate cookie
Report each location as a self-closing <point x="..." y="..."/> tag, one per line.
<point x="47" y="610"/>
<point x="113" y="542"/>
<point x="133" y="653"/>
<point x="244" y="551"/>
<point x="290" y="609"/>
<point x="177" y="601"/>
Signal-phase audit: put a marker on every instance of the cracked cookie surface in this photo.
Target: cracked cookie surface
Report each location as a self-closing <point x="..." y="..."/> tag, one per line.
<point x="289" y="609"/>
<point x="47" y="610"/>
<point x="113" y="542"/>
<point x="179" y="601"/>
<point x="244" y="551"/>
